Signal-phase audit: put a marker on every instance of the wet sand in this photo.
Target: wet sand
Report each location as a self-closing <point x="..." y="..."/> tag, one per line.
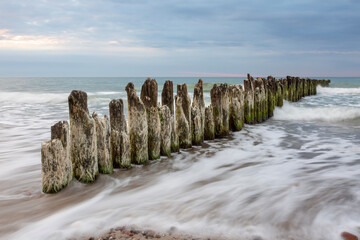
<point x="133" y="233"/>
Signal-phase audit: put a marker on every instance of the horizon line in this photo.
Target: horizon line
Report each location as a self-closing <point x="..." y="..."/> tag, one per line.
<point x="225" y="76"/>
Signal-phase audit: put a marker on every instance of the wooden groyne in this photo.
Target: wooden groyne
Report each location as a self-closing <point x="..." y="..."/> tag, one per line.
<point x="91" y="145"/>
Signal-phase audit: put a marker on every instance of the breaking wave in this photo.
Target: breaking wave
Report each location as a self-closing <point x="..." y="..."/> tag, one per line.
<point x="324" y="114"/>
<point x="33" y="98"/>
<point x="52" y="98"/>
<point x="327" y="90"/>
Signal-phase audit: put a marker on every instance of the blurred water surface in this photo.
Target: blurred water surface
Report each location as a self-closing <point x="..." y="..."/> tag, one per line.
<point x="295" y="176"/>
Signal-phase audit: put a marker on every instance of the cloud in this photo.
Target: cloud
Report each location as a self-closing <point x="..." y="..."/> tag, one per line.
<point x="66" y="44"/>
<point x="9" y="41"/>
<point x="184" y="33"/>
<point x="193" y="24"/>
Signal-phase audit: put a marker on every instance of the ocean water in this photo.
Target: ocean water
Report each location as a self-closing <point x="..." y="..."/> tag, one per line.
<point x="296" y="176"/>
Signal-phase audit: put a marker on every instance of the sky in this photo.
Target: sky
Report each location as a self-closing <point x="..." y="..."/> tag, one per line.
<point x="206" y="38"/>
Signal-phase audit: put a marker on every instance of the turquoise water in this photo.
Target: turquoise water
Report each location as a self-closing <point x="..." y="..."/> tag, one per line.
<point x="295" y="176"/>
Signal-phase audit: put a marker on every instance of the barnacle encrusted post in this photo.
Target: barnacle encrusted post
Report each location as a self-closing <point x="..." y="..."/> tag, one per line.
<point x="260" y="101"/>
<point x="138" y="127"/>
<point x="103" y="143"/>
<point x="209" y="131"/>
<point x="165" y="121"/>
<point x="249" y="87"/>
<point x="149" y="92"/>
<point x="220" y="103"/>
<point x="56" y="166"/>
<point x="119" y="140"/>
<point x="167" y="99"/>
<point x="236" y="107"/>
<point x="183" y="116"/>
<point x="83" y="138"/>
<point x="279" y="93"/>
<point x="198" y="114"/>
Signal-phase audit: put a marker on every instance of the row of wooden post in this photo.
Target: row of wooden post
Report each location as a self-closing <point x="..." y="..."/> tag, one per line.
<point x="93" y="145"/>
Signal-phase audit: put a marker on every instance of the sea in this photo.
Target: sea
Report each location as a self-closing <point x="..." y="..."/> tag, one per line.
<point x="295" y="176"/>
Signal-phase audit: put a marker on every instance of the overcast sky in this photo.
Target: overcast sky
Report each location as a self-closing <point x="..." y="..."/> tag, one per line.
<point x="179" y="37"/>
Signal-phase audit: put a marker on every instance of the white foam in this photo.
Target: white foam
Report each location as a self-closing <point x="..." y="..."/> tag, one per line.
<point x="337" y="91"/>
<point x="216" y="194"/>
<point x="51" y="98"/>
<point x="326" y="114"/>
<point x="255" y="186"/>
<point x="104" y="93"/>
<point x="33" y="97"/>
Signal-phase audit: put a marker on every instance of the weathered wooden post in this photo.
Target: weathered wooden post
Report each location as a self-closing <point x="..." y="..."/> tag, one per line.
<point x="198" y="114"/>
<point x="297" y="88"/>
<point x="262" y="111"/>
<point x="314" y="87"/>
<point x="167" y="98"/>
<point x="103" y="143"/>
<point x="236" y="110"/>
<point x="290" y="88"/>
<point x="119" y="140"/>
<point x="249" y="100"/>
<point x="209" y="131"/>
<point x="271" y="95"/>
<point x="165" y="135"/>
<point x="56" y="166"/>
<point x="183" y="116"/>
<point x="149" y="92"/>
<point x="309" y="87"/>
<point x="220" y="102"/>
<point x="293" y="89"/>
<point x="265" y="87"/>
<point x="279" y="94"/>
<point x="327" y="83"/>
<point x="138" y="127"/>
<point x="285" y="88"/>
<point x="257" y="105"/>
<point x="83" y="138"/>
<point x="307" y="84"/>
<point x="302" y="87"/>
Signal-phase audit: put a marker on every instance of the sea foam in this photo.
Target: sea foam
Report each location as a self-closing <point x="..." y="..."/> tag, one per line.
<point x="333" y="91"/>
<point x="325" y="114"/>
<point x="33" y="97"/>
<point x="54" y="98"/>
